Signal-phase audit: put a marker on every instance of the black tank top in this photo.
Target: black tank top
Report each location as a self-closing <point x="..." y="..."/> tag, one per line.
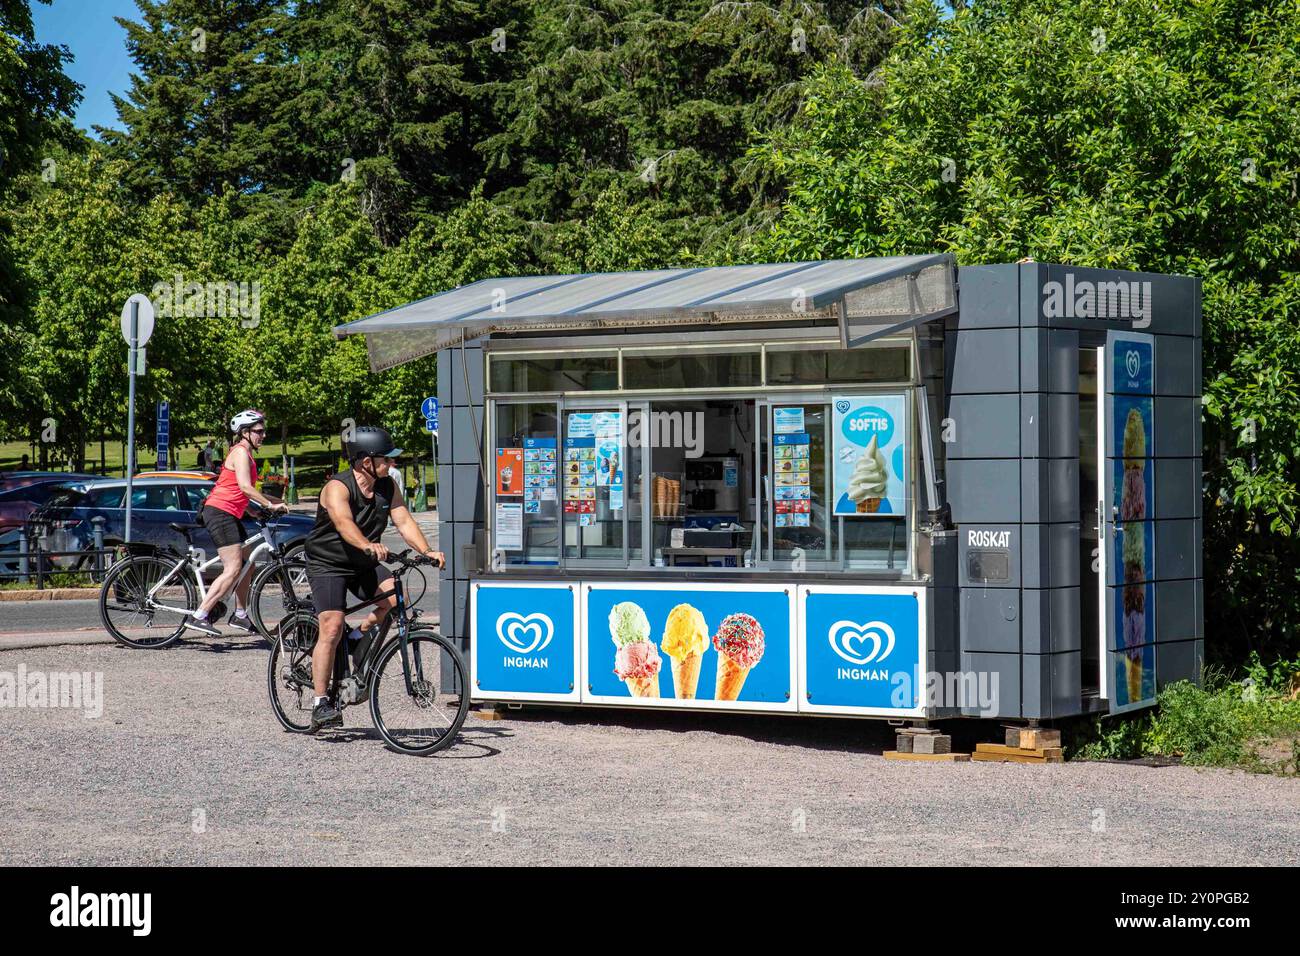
<point x="327" y="552"/>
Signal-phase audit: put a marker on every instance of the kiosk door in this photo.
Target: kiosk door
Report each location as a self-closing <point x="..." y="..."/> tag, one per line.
<point x="1128" y="539"/>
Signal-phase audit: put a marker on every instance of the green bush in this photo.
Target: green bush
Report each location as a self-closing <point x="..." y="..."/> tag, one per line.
<point x="1250" y="722"/>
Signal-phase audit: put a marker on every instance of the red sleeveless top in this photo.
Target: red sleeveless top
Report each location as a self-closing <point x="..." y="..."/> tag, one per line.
<point x="225" y="495"/>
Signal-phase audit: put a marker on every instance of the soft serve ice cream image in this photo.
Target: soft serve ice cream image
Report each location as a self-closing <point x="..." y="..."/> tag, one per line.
<point x="686" y="638"/>
<point x="869" y="480"/>
<point x="636" y="659"/>
<point x="1133" y="511"/>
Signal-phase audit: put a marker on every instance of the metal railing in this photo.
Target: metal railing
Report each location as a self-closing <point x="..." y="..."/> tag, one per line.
<point x="31" y="561"/>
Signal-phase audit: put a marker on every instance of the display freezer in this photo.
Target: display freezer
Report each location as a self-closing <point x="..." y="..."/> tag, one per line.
<point x="889" y="488"/>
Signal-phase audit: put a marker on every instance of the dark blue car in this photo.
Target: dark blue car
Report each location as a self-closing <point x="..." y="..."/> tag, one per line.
<point x="156" y="503"/>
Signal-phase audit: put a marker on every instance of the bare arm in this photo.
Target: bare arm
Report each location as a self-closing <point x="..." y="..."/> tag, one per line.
<point x="408" y="529"/>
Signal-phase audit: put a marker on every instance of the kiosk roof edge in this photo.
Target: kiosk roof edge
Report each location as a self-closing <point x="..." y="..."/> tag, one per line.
<point x="647" y="297"/>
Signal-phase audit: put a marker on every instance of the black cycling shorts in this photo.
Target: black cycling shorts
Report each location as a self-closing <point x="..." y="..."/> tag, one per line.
<point x="224" y="527"/>
<point x="329" y="591"/>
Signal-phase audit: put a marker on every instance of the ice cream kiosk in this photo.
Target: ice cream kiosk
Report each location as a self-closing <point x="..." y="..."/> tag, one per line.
<point x="892" y="488"/>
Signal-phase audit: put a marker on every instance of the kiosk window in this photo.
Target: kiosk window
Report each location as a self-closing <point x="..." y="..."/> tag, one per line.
<point x="679" y="368"/>
<point x="852" y="366"/>
<point x="593" y="465"/>
<point x="800" y="520"/>
<point x="526" y="484"/>
<point x="701" y="479"/>
<point x="550" y="372"/>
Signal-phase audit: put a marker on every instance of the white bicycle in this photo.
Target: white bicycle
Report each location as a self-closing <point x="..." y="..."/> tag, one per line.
<point x="147" y="594"/>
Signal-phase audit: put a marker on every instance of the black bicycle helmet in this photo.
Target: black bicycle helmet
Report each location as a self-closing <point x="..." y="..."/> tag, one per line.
<point x="370" y="441"/>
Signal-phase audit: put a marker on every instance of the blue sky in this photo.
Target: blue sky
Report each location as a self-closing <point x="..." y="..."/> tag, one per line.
<point x="98" y="45"/>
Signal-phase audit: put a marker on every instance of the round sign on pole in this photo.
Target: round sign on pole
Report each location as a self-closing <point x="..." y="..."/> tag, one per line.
<point x="144" y="326"/>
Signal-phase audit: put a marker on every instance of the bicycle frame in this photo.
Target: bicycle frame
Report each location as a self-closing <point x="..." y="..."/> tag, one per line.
<point x="189" y="562"/>
<point x="399" y="611"/>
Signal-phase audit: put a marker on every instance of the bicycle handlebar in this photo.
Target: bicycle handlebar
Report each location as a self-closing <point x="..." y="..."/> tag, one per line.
<point x="402" y="558"/>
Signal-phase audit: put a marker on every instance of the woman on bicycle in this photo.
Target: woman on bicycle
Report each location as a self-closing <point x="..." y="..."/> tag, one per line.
<point x="235" y="487"/>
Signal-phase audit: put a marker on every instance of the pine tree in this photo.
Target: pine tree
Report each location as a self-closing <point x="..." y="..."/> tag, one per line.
<point x="210" y="105"/>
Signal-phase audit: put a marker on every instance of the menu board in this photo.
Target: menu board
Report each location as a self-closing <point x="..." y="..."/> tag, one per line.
<point x="540" y="480"/>
<point x="580" y="478"/>
<point x="793" y="489"/>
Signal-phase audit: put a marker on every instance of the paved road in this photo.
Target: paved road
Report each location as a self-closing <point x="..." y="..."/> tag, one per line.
<point x="26" y="622"/>
<point x="186" y="765"/>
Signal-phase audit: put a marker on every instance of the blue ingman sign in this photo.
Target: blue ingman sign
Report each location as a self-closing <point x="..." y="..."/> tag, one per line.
<point x="863" y="649"/>
<point x="524" y="640"/>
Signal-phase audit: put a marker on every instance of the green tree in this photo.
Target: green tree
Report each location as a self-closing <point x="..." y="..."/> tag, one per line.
<point x="212" y="104"/>
<point x="1110" y="133"/>
<point x="36" y="103"/>
<point x="84" y="248"/>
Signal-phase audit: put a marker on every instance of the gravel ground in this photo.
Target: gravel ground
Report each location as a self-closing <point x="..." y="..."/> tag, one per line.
<point x="187" y="735"/>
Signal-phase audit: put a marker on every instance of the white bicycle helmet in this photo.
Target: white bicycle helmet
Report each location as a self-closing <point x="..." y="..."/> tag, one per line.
<point x="244" y="419"/>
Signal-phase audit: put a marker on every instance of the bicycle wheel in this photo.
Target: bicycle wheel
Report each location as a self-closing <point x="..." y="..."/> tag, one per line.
<point x="128" y="613"/>
<point x="280" y="589"/>
<point x="429" y="720"/>
<point x="288" y="673"/>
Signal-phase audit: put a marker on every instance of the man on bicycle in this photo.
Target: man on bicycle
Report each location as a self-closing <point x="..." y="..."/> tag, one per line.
<point x="344" y="552"/>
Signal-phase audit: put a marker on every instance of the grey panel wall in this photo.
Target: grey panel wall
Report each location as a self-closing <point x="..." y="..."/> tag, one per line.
<point x="460" y="480"/>
<point x="1178" y="495"/>
<point x="1012" y="394"/>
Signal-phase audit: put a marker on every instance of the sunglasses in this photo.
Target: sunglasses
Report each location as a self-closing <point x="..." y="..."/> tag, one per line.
<point x="257" y="431"/>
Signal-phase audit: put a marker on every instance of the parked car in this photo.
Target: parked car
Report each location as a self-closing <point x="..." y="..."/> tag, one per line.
<point x="17" y="503"/>
<point x="156" y="503"/>
<point x="10" y="480"/>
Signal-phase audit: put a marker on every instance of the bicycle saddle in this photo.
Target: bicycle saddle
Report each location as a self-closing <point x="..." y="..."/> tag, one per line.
<point x="184" y="529"/>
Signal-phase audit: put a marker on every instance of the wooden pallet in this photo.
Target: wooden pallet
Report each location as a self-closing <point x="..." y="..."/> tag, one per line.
<point x="927" y="758"/>
<point x="1000" y="753"/>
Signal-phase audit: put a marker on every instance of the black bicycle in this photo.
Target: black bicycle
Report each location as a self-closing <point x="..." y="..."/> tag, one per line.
<point x="416" y="681"/>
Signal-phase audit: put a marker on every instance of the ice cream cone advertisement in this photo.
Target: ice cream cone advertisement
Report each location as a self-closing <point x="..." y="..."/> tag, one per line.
<point x="636" y="659"/>
<point x="686" y="638"/>
<point x="1133" y="549"/>
<point x="739" y="643"/>
<point x="721" y="645"/>
<point x="870" y="456"/>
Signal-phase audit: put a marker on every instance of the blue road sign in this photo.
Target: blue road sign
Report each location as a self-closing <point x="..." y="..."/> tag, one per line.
<point x="429" y="408"/>
<point x="431" y="425"/>
<point x="163" y="437"/>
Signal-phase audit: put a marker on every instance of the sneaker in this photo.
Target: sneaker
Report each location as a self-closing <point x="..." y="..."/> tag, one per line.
<point x="202" y="626"/>
<point x="244" y="623"/>
<point x="326" y="715"/>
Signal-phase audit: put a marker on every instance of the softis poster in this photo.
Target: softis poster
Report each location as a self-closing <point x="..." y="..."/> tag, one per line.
<point x="870" y="455"/>
<point x="863" y="649"/>
<point x="1132" y="557"/>
<point x="523" y="645"/>
<point x="707" y="646"/>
